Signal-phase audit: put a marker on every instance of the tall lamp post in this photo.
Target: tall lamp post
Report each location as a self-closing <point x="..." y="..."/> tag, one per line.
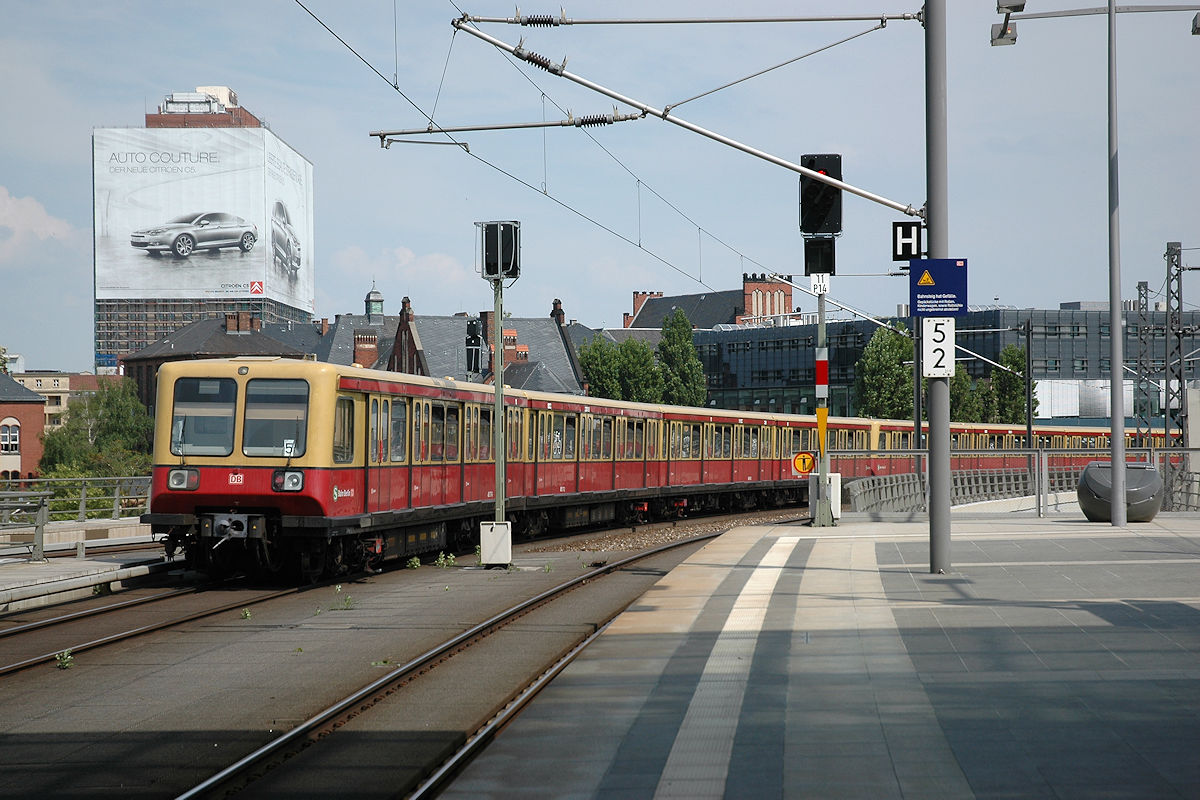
<point x="1005" y="33"/>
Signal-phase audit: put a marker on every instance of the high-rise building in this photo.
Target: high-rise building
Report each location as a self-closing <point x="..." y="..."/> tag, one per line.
<point x="202" y="213"/>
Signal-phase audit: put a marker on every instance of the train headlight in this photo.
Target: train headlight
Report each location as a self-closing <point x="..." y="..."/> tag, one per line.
<point x="287" y="480"/>
<point x="183" y="480"/>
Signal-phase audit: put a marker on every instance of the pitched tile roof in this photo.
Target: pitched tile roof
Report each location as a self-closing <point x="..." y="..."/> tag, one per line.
<point x="703" y="310"/>
<point x="13" y="392"/>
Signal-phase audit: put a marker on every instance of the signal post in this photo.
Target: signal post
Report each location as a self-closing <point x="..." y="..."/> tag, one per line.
<point x="501" y="247"/>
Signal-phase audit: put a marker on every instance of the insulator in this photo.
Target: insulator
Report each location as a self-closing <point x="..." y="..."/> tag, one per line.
<point x="541" y="61"/>
<point x="594" y="119"/>
<point x="540" y="20"/>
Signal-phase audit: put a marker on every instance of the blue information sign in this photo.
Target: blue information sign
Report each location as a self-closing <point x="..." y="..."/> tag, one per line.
<point x="937" y="287"/>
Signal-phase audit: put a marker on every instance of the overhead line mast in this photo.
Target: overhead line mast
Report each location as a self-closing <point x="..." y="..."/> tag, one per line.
<point x="541" y="61"/>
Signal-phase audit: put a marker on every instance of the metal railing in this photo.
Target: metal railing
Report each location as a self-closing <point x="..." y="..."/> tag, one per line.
<point x="896" y="481"/>
<point x="20" y="511"/>
<point x="80" y="499"/>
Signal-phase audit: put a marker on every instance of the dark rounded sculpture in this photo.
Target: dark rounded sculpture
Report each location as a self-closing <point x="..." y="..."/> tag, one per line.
<point x="1143" y="491"/>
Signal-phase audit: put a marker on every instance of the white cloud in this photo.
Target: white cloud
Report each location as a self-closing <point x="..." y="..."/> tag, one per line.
<point x="23" y="220"/>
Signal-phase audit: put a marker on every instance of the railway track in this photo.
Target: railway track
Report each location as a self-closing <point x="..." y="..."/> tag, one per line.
<point x="536" y="637"/>
<point x="62" y="634"/>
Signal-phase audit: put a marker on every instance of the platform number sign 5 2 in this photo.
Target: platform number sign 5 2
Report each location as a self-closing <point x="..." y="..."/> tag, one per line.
<point x="937" y="347"/>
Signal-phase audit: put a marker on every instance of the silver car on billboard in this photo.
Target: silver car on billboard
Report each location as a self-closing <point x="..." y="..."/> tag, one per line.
<point x="186" y="234"/>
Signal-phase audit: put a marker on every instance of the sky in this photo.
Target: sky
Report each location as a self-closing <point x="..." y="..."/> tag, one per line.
<point x="643" y="205"/>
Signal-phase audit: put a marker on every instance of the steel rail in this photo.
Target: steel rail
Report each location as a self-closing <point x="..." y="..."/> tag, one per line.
<point x="151" y="628"/>
<point x="92" y="612"/>
<point x="342" y="707"/>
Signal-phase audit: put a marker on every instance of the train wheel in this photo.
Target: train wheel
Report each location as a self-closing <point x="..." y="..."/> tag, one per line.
<point x="309" y="562"/>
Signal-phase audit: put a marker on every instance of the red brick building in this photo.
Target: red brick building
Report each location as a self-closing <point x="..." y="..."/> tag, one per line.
<point x="22" y="420"/>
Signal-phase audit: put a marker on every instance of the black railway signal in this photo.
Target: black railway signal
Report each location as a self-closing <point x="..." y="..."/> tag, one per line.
<point x="820" y="203"/>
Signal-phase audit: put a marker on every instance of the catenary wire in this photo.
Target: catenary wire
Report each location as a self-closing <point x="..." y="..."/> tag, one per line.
<point x="435" y="127"/>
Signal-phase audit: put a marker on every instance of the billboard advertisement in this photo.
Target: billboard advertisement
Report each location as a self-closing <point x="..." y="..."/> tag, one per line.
<point x="204" y="213"/>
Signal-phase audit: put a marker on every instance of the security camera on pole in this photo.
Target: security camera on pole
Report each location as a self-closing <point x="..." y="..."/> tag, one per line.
<point x="500" y="243"/>
<point x="820" y="224"/>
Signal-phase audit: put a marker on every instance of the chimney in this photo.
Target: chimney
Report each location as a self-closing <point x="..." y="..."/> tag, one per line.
<point x="639" y="300"/>
<point x="366" y="347"/>
<point x="324" y="325"/>
<point x="557" y="314"/>
<point x="243" y="324"/>
<point x="231" y="322"/>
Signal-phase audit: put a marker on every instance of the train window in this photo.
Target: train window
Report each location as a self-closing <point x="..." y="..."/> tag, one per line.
<point x="451" y="444"/>
<point x="569" y="438"/>
<point x="420" y="431"/>
<point x="484" y="452"/>
<point x="556" y="436"/>
<point x="675" y="437"/>
<point x="530" y="423"/>
<point x="384" y="415"/>
<point x="373" y="423"/>
<point x="399" y="431"/>
<point x="652" y="438"/>
<point x="276" y="419"/>
<point x="606" y="439"/>
<point x="516" y="421"/>
<point x="437" y="431"/>
<point x="639" y="435"/>
<point x="343" y="430"/>
<point x="727" y="441"/>
<point x="202" y="421"/>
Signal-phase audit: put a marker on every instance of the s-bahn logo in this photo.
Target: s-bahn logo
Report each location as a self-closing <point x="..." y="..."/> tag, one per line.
<point x="341" y="494"/>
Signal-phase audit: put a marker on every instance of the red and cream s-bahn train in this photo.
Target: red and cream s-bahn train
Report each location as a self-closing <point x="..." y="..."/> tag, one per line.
<point x="282" y="466"/>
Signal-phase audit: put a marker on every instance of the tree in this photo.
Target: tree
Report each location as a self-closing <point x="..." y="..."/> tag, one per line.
<point x="108" y="433"/>
<point x="1010" y="387"/>
<point x="963" y="405"/>
<point x="598" y="358"/>
<point x="639" y="375"/>
<point x="683" y="378"/>
<point x="3" y="360"/>
<point x="883" y="381"/>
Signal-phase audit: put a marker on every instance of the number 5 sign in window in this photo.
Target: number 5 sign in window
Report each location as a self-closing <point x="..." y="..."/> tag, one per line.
<point x="937" y="347"/>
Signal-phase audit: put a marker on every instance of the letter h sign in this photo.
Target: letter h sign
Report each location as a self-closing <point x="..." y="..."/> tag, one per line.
<point x="906" y="241"/>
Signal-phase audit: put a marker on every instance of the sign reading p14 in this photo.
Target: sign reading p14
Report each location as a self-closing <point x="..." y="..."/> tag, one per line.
<point x="937" y="347"/>
<point x="937" y="287"/>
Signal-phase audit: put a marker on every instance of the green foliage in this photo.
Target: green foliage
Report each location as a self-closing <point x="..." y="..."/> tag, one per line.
<point x="444" y="561"/>
<point x="639" y="375"/>
<point x="64" y="660"/>
<point x="883" y="382"/>
<point x="413" y="563"/>
<point x="3" y="360"/>
<point x="683" y="378"/>
<point x="1010" y="388"/>
<point x="598" y="358"/>
<point x="108" y="433"/>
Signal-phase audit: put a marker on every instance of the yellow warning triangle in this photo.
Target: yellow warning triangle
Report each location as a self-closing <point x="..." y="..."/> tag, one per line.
<point x="925" y="280"/>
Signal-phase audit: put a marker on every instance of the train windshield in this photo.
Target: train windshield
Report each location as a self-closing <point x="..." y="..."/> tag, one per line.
<point x="276" y="417"/>
<point x="202" y="419"/>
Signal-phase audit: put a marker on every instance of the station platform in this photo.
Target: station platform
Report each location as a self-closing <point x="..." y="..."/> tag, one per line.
<point x="25" y="583"/>
<point x="1058" y="658"/>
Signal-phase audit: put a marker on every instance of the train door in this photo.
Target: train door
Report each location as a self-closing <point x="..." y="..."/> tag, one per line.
<point x="379" y="494"/>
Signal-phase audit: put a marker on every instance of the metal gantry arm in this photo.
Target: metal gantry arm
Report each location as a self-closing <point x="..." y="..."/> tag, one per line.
<point x="549" y="21"/>
<point x="542" y="62"/>
<point x="587" y="121"/>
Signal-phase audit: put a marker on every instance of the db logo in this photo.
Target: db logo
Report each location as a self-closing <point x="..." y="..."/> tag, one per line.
<point x="236" y="479"/>
<point x="256" y="287"/>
